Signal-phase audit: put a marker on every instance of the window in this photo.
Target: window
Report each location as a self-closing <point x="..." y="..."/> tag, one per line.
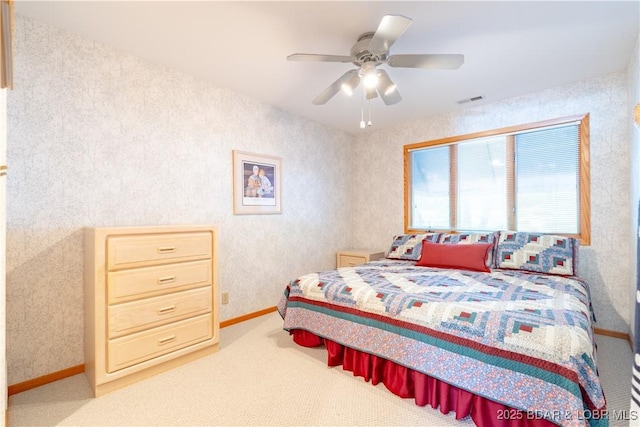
<point x="532" y="177"/>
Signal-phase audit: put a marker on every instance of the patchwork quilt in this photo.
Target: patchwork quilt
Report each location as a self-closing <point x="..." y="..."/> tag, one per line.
<point x="523" y="339"/>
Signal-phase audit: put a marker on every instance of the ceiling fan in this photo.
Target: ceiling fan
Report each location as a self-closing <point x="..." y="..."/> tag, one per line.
<point x="371" y="50"/>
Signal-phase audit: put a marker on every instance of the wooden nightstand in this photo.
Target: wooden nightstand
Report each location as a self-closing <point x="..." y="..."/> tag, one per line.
<point x="353" y="257"/>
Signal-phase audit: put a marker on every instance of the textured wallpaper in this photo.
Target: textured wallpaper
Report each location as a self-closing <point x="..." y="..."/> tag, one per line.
<point x="101" y="138"/>
<point x="606" y="263"/>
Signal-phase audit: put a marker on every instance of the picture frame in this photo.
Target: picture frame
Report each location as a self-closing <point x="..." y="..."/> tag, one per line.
<point x="257" y="184"/>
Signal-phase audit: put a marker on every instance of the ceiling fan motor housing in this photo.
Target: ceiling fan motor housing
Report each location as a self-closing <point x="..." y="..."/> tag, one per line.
<point x="360" y="52"/>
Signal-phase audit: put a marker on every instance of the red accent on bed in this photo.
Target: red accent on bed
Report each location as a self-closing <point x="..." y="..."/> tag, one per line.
<point x="425" y="390"/>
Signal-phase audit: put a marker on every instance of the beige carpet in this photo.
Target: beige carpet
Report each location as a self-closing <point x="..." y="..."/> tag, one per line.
<point x="260" y="377"/>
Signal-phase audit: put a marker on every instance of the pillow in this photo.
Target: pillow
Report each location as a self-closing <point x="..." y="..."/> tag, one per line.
<point x="471" y="256"/>
<point x="409" y="246"/>
<point x="471" y="238"/>
<point x="538" y="252"/>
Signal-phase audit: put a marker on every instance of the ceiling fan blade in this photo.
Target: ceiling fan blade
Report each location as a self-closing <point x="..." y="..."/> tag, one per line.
<point x="347" y="78"/>
<point x="387" y="89"/>
<point x="391" y="27"/>
<point x="318" y="57"/>
<point x="430" y="62"/>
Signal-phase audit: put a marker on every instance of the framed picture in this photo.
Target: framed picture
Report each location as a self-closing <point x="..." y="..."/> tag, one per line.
<point x="257" y="184"/>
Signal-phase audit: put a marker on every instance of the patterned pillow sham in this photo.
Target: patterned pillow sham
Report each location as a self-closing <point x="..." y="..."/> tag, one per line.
<point x="409" y="246"/>
<point x="538" y="252"/>
<point x="470" y="238"/>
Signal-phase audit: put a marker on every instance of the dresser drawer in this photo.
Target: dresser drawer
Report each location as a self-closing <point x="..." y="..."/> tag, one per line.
<point x="136" y="348"/>
<point x="135" y="316"/>
<point x="126" y="285"/>
<point x="153" y="249"/>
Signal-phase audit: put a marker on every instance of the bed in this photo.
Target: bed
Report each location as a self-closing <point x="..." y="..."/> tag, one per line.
<point x="493" y="326"/>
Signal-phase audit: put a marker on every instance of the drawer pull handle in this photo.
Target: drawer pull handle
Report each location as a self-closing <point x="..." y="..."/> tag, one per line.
<point x="167" y="250"/>
<point x="352" y="264"/>
<point x="165" y="280"/>
<point x="166" y="310"/>
<point x="166" y="340"/>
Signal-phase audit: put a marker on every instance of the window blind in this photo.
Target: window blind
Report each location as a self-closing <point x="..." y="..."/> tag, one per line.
<point x="481" y="187"/>
<point x="547" y="167"/>
<point x="430" y="184"/>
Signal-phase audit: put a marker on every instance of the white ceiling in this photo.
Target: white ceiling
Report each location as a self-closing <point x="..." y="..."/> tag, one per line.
<point x="510" y="47"/>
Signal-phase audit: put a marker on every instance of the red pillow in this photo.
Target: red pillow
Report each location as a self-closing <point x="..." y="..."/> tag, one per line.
<point x="471" y="256"/>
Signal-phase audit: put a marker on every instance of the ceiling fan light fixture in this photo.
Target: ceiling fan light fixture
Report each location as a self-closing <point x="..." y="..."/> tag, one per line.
<point x="350" y="85"/>
<point x="370" y="80"/>
<point x="347" y="89"/>
<point x="387" y="87"/>
<point x="369" y="75"/>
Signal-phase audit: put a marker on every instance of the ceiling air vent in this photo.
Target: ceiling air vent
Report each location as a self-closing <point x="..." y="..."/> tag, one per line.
<point x="474" y="98"/>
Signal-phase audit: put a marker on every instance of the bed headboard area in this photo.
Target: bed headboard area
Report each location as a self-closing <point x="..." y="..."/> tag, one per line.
<point x="505" y="249"/>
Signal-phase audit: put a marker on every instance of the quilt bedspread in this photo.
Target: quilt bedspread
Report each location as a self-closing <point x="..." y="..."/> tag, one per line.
<point x="522" y="339"/>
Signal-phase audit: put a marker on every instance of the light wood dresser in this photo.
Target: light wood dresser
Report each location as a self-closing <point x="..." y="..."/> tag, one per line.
<point x="151" y="301"/>
<point x="353" y="257"/>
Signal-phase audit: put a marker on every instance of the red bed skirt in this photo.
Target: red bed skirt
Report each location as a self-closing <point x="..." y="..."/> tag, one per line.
<point x="424" y="389"/>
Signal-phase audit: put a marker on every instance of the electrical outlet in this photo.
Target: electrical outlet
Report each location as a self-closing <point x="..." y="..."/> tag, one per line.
<point x="225" y="298"/>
